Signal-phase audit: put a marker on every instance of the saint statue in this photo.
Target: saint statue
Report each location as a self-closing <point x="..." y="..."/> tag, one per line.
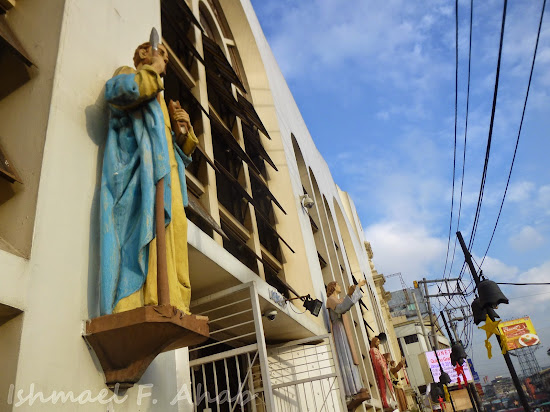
<point x="394" y="369"/>
<point x="341" y="332"/>
<point x="140" y="156"/>
<point x="382" y="374"/>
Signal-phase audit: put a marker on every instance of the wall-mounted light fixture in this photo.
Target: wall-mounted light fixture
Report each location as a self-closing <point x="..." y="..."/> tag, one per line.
<point x="313" y="305"/>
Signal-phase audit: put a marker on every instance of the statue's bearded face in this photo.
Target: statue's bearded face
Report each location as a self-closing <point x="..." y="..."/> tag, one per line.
<point x="375" y="343"/>
<point x="337" y="288"/>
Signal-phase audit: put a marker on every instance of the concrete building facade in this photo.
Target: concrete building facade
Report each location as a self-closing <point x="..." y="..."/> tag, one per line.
<point x="53" y="129"/>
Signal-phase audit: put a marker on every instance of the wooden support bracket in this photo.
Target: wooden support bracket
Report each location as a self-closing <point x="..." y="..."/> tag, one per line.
<point x="126" y="343"/>
<point x="358" y="399"/>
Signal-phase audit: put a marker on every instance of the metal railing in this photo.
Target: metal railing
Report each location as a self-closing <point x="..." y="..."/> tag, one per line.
<point x="235" y="371"/>
<point x="222" y="368"/>
<point x="304" y="376"/>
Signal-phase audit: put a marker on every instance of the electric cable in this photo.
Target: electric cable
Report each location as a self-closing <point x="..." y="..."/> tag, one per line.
<point x="465" y="133"/>
<point x="519" y="131"/>
<point x="454" y="152"/>
<point x="489" y="138"/>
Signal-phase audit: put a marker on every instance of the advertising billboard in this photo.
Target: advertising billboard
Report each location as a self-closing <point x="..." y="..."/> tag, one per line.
<point x="445" y="359"/>
<point x="519" y="333"/>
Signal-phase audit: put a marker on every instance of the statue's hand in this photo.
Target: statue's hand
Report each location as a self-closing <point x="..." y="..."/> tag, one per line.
<point x="182" y="116"/>
<point x="362" y="282"/>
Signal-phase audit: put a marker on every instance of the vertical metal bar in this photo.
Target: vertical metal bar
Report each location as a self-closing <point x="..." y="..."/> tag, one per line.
<point x="262" y="350"/>
<point x="313" y="393"/>
<point x="292" y="374"/>
<point x="216" y="386"/>
<point x="205" y="387"/>
<point x="239" y="392"/>
<point x="298" y="397"/>
<point x="227" y="383"/>
<point x="305" y="396"/>
<point x="194" y="390"/>
<point x="287" y="399"/>
<point x="251" y="384"/>
<point x="321" y="381"/>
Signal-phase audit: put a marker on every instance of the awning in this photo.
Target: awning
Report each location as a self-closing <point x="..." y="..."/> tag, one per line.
<point x="180" y="9"/>
<point x="272" y="230"/>
<point x="179" y="26"/>
<point x="265" y="190"/>
<point x="322" y="261"/>
<point x="253" y="137"/>
<point x="220" y="88"/>
<point x="7" y="171"/>
<point x="206" y="157"/>
<point x="217" y="62"/>
<point x="8" y="38"/>
<point x="251" y="114"/>
<point x="189" y="97"/>
<point x="234" y="236"/>
<point x="314" y="226"/>
<point x="219" y="130"/>
<point x="244" y="194"/>
<point x="198" y="209"/>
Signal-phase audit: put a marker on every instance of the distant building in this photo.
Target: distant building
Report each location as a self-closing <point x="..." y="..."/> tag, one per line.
<point x="402" y="303"/>
<point x="410" y="335"/>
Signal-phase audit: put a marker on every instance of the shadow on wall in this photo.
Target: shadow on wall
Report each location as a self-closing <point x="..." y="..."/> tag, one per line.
<point x="97" y="118"/>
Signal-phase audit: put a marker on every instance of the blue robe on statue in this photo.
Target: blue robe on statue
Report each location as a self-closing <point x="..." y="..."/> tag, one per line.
<point x="136" y="158"/>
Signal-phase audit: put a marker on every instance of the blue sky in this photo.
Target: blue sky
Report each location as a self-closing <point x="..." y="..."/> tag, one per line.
<point x="381" y="77"/>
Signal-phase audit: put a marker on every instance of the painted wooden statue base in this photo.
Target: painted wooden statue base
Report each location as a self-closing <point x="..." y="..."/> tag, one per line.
<point x="126" y="343"/>
<point x="358" y="399"/>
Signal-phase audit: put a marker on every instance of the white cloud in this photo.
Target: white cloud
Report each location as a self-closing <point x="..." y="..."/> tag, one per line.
<point x="497" y="270"/>
<point x="520" y="191"/>
<point x="409" y="249"/>
<point x="384" y="115"/>
<point x="543" y="199"/>
<point x="528" y="238"/>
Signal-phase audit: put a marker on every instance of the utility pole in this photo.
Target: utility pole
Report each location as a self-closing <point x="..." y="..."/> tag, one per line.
<point x="432" y="319"/>
<point x="424" y="331"/>
<point x="453" y="326"/>
<point x="473" y="400"/>
<point x="427" y="296"/>
<point x="507" y="359"/>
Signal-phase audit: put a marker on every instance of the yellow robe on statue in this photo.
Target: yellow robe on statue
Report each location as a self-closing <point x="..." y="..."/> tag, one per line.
<point x="176" y="233"/>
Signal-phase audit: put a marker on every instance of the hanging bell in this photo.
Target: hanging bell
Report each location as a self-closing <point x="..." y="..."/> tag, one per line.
<point x="490" y="294"/>
<point x="444" y="378"/>
<point x="382" y="337"/>
<point x="436" y="392"/>
<point x="480" y="313"/>
<point x="458" y="354"/>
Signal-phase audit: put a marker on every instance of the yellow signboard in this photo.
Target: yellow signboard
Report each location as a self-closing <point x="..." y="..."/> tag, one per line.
<point x="519" y="333"/>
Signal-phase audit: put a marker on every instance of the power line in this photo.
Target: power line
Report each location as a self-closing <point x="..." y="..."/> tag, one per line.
<point x="523" y="284"/>
<point x="519" y="131"/>
<point x="489" y="138"/>
<point x="454" y="153"/>
<point x="465" y="132"/>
